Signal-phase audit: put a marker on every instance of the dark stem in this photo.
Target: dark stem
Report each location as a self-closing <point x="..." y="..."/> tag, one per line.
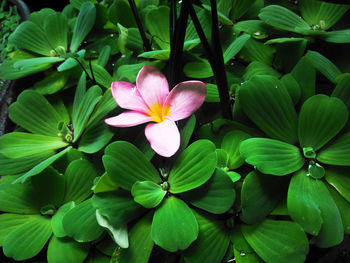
<point x="215" y="59"/>
<point x="87" y="74"/>
<point x="92" y="72"/>
<point x="221" y="78"/>
<point x="177" y="44"/>
<point x="146" y="43"/>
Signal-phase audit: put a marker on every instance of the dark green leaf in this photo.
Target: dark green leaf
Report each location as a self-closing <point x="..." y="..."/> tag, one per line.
<point x="27" y="240"/>
<point x="194" y="167"/>
<point x="271" y="156"/>
<point x="236" y="46"/>
<point x="147" y="193"/>
<point x="126" y="164"/>
<point x="66" y="250"/>
<point x="337" y="152"/>
<point x="166" y="231"/>
<point x="211" y="244"/>
<point x="320" y="119"/>
<point x="260" y="194"/>
<point x="266" y="101"/>
<point x="80" y="223"/>
<point x="215" y="196"/>
<point x="277" y="241"/>
<point x="83" y="24"/>
<point x="157" y="22"/>
<point x="339" y="178"/>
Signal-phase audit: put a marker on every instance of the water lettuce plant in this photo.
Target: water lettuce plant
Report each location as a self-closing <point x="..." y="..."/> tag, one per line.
<point x="177" y="131"/>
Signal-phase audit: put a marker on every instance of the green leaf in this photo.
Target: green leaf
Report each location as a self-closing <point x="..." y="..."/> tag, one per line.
<point x="83" y="25"/>
<point x="342" y="90"/>
<point x="156" y="54"/>
<point x="337" y="36"/>
<point x="66" y="250"/>
<point x="212" y="241"/>
<point x="194" y="167"/>
<point x="21" y="144"/>
<point x="56" y="30"/>
<point x="31" y="37"/>
<point x="259" y="68"/>
<point x="277" y="241"/>
<point x="236" y="46"/>
<point x="141" y="243"/>
<point x="16" y="166"/>
<point x="217" y="129"/>
<point x="266" y="101"/>
<point x="337" y="152"/>
<point x="147" y="193"/>
<point x="255" y="50"/>
<point x="49" y="185"/>
<point x="120" y="12"/>
<point x="200" y="69"/>
<point x="157" y="22"/>
<point x="292" y="87"/>
<point x="119" y="235"/>
<point x="343" y="206"/>
<point x="79" y="178"/>
<point x="84" y="110"/>
<point x="323" y="65"/>
<point x="27" y="240"/>
<point x="52" y="83"/>
<point x="256" y="28"/>
<point x="126" y="164"/>
<point x="42" y="166"/>
<point x="33" y="62"/>
<point x="271" y="156"/>
<point x="80" y="223"/>
<point x="305" y="74"/>
<point x="95" y="138"/>
<point x="260" y="194"/>
<point x="322" y="14"/>
<point x="239" y="8"/>
<point x="9" y="222"/>
<point x="215" y="196"/>
<point x="243" y="253"/>
<point x="18" y="198"/>
<point x="320" y="119"/>
<point x="186" y="132"/>
<point x="310" y="205"/>
<point x="9" y="72"/>
<point x="338" y="177"/>
<point x="118" y="207"/>
<point x="212" y="93"/>
<point x="33" y="112"/>
<point x="104" y="55"/>
<point x="166" y="233"/>
<point x="71" y="62"/>
<point x="104" y="184"/>
<point x="101" y="76"/>
<point x="281" y="17"/>
<point x="56" y="222"/>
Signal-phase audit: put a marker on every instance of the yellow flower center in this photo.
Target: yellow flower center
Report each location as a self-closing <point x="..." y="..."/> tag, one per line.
<point x="159" y="112"/>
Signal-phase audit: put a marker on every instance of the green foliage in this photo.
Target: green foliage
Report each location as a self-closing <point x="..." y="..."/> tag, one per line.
<point x="258" y="187"/>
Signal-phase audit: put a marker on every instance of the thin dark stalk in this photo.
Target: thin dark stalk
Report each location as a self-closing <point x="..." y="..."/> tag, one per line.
<point x="177" y="44"/>
<point x="146" y="43"/>
<point x="201" y="34"/>
<point x="221" y="78"/>
<point x="216" y="64"/>
<point x="92" y="72"/>
<point x="87" y="74"/>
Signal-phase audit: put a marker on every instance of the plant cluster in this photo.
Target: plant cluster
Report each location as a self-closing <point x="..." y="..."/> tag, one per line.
<point x="246" y="151"/>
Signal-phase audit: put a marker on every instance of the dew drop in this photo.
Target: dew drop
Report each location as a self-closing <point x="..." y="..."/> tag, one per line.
<point x="257" y="33"/>
<point x="242" y="253"/>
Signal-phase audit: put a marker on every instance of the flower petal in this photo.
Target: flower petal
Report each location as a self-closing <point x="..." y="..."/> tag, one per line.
<point x="152" y="85"/>
<point x="127" y="96"/>
<point x="128" y="119"/>
<point x="185" y="99"/>
<point x="164" y="137"/>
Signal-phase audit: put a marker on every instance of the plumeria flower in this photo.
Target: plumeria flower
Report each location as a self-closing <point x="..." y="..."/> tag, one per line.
<point x="150" y="101"/>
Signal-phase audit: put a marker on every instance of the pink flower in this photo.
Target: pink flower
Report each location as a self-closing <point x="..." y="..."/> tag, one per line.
<point x="150" y="101"/>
